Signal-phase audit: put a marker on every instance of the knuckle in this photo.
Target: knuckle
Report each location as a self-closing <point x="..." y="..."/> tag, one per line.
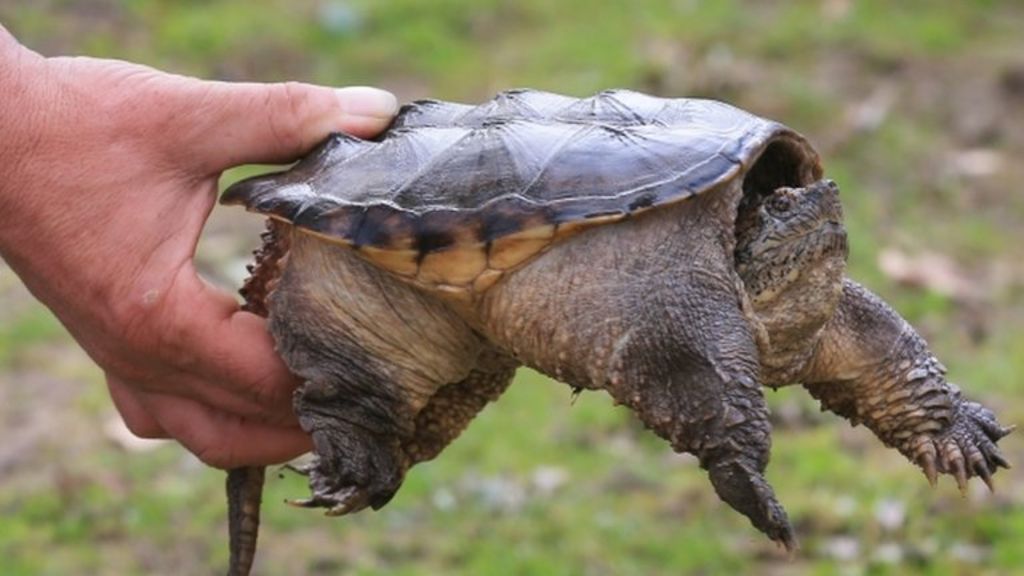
<point x="217" y="456"/>
<point x="215" y="449"/>
<point x="212" y="456"/>
<point x="289" y="104"/>
<point x="142" y="426"/>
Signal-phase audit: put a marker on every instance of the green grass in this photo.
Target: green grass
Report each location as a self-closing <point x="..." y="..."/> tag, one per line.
<point x="625" y="505"/>
<point x="29" y="328"/>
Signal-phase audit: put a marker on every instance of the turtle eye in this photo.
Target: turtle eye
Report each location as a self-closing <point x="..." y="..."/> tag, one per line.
<point x="780" y="204"/>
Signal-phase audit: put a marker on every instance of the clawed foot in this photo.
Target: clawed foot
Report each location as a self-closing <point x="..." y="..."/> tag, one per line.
<point x="344" y="500"/>
<point x="966" y="448"/>
<point x="300" y="469"/>
<point x="349" y="473"/>
<point x="746" y="490"/>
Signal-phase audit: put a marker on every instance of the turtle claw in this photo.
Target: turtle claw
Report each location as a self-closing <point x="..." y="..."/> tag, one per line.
<point x="960" y="473"/>
<point x="964" y="449"/>
<point x="982" y="472"/>
<point x="351" y="499"/>
<point x="300" y="469"/>
<point x="992" y="428"/>
<point x="927" y="463"/>
<point x="302" y="502"/>
<point x="998" y="460"/>
<point x="338" y="503"/>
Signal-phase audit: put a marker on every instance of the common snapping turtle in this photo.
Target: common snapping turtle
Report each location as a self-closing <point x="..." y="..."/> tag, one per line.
<point x="678" y="254"/>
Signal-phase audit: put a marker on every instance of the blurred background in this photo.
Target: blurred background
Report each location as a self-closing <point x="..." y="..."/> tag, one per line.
<point x="918" y="111"/>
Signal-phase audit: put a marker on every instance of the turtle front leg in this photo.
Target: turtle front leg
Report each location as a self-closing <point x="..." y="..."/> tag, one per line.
<point x="729" y="435"/>
<point x="872" y="367"/>
<point x="694" y="380"/>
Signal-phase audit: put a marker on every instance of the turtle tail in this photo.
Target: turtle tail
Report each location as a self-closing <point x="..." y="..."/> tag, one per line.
<point x="245" y="489"/>
<point x="244" y="485"/>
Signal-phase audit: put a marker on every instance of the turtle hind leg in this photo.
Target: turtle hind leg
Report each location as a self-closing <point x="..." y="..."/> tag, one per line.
<point x="355" y="469"/>
<point x="452" y="408"/>
<point x="356" y="406"/>
<point x="358" y="460"/>
<point x="373" y="350"/>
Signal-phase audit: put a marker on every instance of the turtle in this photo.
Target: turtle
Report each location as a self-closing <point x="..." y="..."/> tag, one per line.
<point x="678" y="254"/>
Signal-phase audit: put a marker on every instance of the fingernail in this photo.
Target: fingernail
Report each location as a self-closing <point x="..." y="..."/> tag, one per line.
<point x="367" y="101"/>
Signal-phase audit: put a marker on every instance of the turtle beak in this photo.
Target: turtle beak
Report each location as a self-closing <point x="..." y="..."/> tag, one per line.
<point x="825" y="195"/>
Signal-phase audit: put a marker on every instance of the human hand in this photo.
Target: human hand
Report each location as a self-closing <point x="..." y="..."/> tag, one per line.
<point x="110" y="172"/>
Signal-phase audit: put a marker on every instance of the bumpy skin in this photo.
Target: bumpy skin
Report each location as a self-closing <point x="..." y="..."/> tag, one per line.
<point x="656" y="318"/>
<point x="872" y="367"/>
<point x="384" y="365"/>
<point x="682" y="312"/>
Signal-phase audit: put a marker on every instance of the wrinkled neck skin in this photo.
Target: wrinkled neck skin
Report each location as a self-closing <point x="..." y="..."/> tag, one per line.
<point x="794" y="322"/>
<point x="792" y="269"/>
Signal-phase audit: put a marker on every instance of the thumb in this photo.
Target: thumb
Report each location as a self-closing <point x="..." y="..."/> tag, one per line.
<point x="246" y="123"/>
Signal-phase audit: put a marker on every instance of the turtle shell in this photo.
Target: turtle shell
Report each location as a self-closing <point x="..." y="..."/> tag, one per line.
<point x="452" y="196"/>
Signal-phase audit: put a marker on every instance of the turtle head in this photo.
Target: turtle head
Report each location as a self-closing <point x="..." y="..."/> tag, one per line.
<point x="791" y="255"/>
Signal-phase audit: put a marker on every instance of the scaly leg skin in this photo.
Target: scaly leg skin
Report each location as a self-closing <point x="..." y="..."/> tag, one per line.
<point x="372" y="351"/>
<point x="694" y="382"/>
<point x="358" y="460"/>
<point x="446" y="414"/>
<point x="452" y="408"/>
<point x="871" y="367"/>
<point x="444" y="417"/>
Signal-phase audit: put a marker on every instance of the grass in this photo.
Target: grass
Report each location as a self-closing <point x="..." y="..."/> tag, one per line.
<point x="539" y="484"/>
<point x="30" y="327"/>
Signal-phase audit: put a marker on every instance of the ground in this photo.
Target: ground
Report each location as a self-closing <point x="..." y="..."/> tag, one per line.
<point x="919" y="114"/>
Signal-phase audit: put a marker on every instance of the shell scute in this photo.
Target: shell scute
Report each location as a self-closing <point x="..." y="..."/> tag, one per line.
<point x="462" y="184"/>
